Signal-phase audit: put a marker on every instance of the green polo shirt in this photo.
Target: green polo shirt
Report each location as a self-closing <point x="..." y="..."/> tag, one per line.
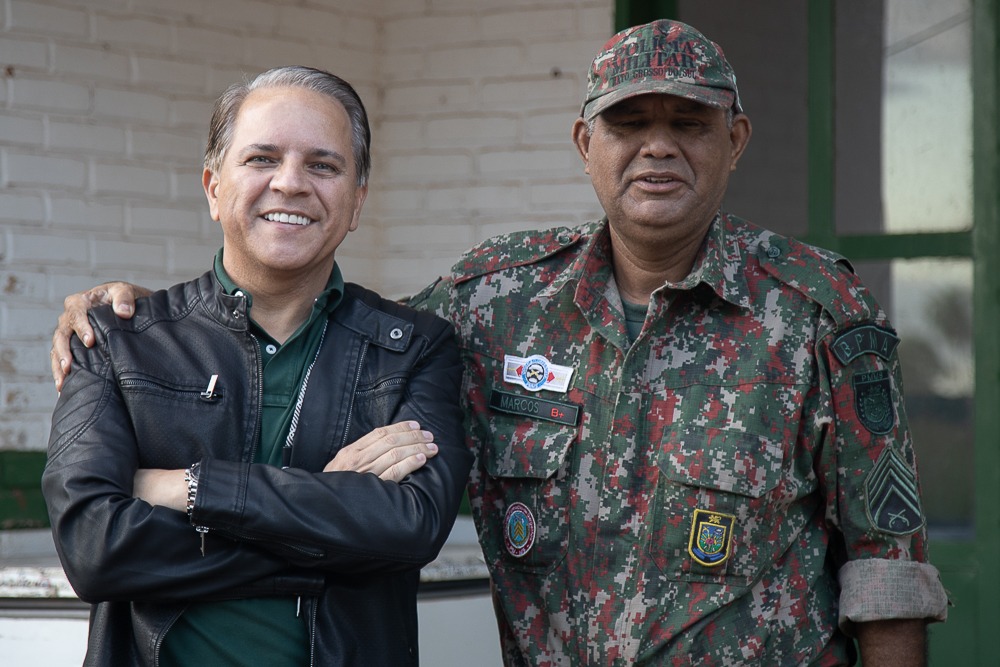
<point x="259" y="631"/>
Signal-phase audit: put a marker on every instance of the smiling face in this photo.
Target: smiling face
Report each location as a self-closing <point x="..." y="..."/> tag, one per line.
<point x="286" y="192"/>
<point x="660" y="164"/>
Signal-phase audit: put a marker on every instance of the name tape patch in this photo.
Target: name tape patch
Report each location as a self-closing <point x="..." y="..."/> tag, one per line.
<point x="536" y="373"/>
<point x="539" y="408"/>
<point x="864" y="339"/>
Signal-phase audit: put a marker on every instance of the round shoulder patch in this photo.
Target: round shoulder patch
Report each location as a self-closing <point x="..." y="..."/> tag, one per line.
<point x="519" y="530"/>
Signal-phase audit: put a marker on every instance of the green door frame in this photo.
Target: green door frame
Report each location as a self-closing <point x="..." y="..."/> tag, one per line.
<point x="968" y="567"/>
<point x="985" y="575"/>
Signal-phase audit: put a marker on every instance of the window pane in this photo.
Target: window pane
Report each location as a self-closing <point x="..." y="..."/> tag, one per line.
<point x="930" y="304"/>
<point x="927" y="116"/>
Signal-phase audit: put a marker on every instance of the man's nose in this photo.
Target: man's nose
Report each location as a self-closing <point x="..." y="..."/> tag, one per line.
<point x="289" y="178"/>
<point x="659" y="142"/>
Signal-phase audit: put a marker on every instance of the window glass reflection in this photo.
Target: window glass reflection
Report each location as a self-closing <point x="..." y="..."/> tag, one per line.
<point x="927" y="115"/>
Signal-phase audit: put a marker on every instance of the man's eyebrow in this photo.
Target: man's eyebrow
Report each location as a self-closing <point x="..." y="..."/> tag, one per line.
<point x="258" y="148"/>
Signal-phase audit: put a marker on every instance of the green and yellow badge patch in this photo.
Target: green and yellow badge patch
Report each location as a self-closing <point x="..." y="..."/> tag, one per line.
<point x="711" y="537"/>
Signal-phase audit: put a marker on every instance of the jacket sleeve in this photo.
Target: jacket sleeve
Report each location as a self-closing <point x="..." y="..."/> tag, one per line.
<point x="345" y="522"/>
<point x="116" y="547"/>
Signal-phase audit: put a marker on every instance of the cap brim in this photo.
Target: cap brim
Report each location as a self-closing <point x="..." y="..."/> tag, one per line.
<point x="720" y="98"/>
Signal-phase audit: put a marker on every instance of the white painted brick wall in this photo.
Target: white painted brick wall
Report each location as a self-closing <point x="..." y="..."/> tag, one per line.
<point x="104" y="107"/>
<point x="31" y="17"/>
<point x="497" y="84"/>
<point x="60" y="172"/>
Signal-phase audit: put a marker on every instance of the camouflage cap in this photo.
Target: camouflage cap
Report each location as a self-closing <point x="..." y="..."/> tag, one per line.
<point x="660" y="57"/>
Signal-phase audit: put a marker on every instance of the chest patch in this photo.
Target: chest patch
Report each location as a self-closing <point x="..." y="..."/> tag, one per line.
<point x="535" y="373"/>
<point x="519" y="530"/>
<point x="711" y="537"/>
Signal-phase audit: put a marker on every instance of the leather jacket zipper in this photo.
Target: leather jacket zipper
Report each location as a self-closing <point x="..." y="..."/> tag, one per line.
<point x="260" y="396"/>
<point x="313" y="606"/>
<point x="381" y="385"/>
<point x="140" y="383"/>
<point x="354" y="390"/>
<point x="158" y="644"/>
<point x="203" y="530"/>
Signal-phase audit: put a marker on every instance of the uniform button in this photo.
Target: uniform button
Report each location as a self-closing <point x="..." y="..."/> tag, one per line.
<point x="396" y="333"/>
<point x="773" y="251"/>
<point x="271" y="349"/>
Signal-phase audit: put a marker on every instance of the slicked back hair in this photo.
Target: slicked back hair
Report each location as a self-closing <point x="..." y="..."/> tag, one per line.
<point x="227" y="108"/>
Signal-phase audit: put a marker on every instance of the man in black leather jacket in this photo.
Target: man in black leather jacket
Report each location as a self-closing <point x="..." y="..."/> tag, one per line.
<point x="255" y="466"/>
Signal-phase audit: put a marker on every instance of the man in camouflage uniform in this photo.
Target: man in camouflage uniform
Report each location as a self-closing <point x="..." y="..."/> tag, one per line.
<point x="691" y="443"/>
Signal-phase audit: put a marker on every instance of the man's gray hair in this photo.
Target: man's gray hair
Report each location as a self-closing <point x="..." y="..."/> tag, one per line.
<point x="227" y="108"/>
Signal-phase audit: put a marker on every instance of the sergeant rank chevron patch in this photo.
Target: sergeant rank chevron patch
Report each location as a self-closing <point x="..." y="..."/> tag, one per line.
<point x="893" y="502"/>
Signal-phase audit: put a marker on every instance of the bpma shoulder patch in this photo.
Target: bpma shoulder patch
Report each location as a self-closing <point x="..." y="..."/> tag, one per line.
<point x="865" y="339"/>
<point x="893" y="503"/>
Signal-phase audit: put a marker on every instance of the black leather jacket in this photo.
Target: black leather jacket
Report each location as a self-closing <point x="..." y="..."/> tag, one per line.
<point x="350" y="544"/>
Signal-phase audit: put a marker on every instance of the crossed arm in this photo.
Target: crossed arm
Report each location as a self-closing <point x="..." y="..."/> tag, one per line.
<point x="390" y="452"/>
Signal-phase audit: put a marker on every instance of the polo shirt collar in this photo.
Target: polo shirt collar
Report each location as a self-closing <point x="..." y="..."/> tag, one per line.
<point x="327" y="301"/>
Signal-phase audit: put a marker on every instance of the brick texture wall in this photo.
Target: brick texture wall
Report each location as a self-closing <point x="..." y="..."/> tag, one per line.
<point x="103" y="111"/>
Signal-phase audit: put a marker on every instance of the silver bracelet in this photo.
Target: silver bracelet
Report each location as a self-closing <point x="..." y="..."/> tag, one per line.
<point x="191" y="477"/>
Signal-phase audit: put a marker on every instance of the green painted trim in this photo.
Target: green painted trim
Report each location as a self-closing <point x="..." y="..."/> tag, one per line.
<point x="636" y="12"/>
<point x="821" y="153"/>
<point x="986" y="305"/>
<point x="623" y="12"/>
<point x="21" y="501"/>
<point x="906" y="246"/>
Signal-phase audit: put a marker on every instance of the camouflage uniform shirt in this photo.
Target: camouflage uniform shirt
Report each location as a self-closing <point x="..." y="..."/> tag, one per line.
<point x="736" y="486"/>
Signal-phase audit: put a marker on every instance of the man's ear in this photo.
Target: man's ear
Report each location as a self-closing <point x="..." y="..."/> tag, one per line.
<point x="359" y="201"/>
<point x="581" y="139"/>
<point x="739" y="137"/>
<point x="211" y="185"/>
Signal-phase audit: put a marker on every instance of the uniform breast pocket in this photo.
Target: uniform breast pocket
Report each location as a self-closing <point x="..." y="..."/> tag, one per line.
<point x="714" y="502"/>
<point x="526" y="504"/>
<point x="173" y="417"/>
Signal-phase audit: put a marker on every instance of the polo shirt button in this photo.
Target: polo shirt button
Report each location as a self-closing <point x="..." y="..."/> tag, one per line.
<point x="396" y="333"/>
<point x="271" y="349"/>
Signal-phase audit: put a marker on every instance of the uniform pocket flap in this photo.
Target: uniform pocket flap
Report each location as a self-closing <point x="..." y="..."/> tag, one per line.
<point x="524" y="448"/>
<point x="731" y="461"/>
